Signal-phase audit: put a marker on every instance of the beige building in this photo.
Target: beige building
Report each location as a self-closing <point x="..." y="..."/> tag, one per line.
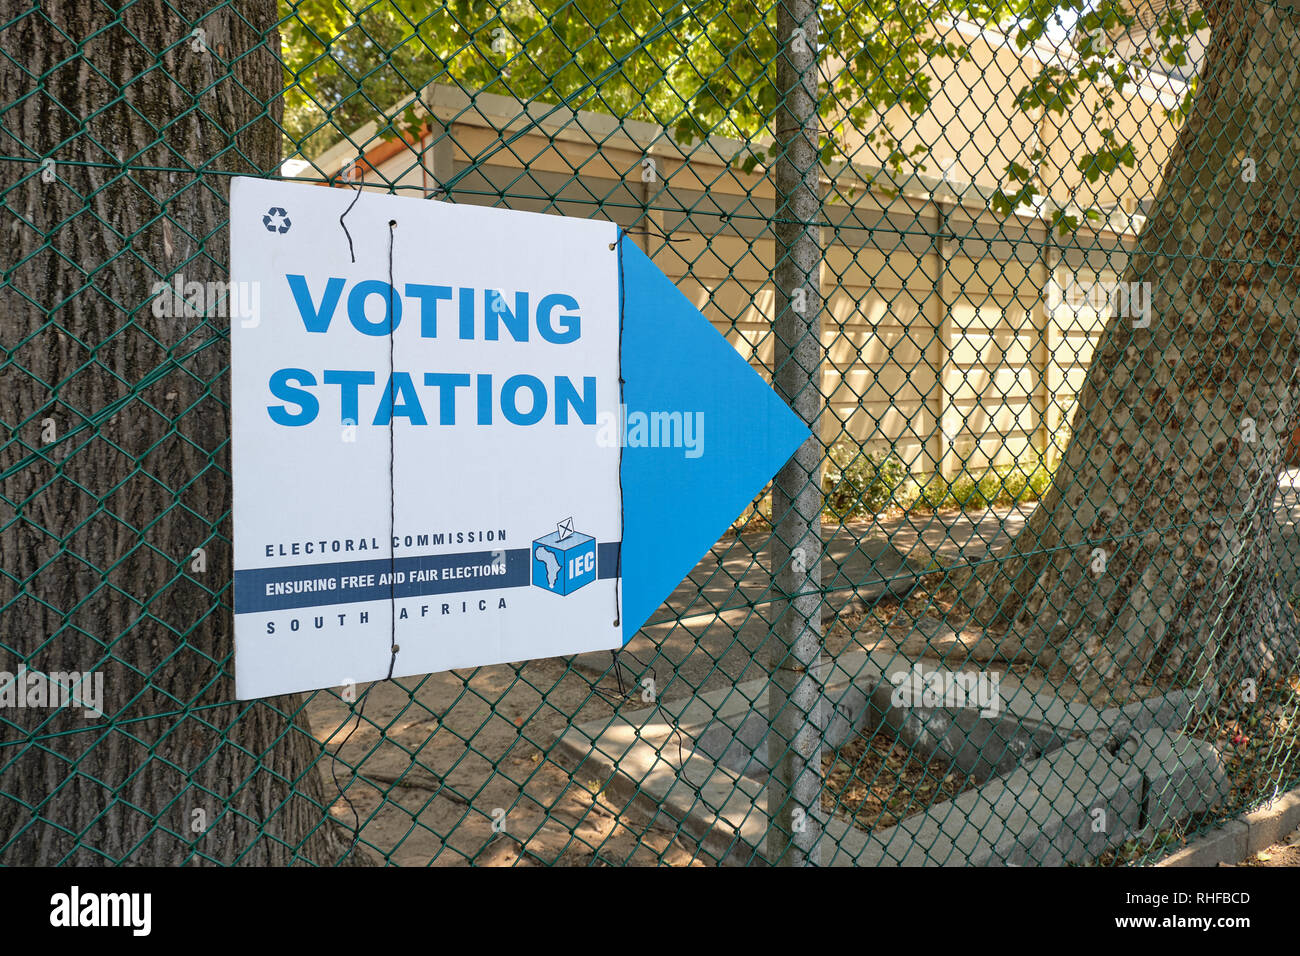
<point x="953" y="336"/>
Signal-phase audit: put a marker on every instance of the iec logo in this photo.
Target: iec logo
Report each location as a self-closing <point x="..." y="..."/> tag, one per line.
<point x="564" y="560"/>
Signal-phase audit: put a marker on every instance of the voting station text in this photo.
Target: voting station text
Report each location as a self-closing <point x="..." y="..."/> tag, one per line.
<point x="373" y="307"/>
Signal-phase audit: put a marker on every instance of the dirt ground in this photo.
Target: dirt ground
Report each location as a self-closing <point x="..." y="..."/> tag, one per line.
<point x="1286" y="853"/>
<point x="452" y="768"/>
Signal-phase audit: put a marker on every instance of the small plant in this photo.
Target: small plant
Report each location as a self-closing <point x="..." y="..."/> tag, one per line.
<point x="856" y="482"/>
<point x="1003" y="485"/>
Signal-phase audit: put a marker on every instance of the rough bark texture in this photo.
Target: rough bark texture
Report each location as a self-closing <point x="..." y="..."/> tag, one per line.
<point x="97" y="529"/>
<point x="1171" y="470"/>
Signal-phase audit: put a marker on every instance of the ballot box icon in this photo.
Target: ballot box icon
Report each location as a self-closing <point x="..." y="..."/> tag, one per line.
<point x="564" y="560"/>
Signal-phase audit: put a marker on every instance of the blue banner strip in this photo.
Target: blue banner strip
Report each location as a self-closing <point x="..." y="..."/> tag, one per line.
<point x="351" y="582"/>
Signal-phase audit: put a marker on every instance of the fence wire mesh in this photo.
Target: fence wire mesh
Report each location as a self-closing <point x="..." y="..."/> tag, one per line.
<point x="1027" y="269"/>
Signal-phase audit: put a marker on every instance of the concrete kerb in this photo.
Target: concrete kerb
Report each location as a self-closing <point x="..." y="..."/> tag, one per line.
<point x="1238" y="839"/>
<point x="699" y="765"/>
<point x="650" y="760"/>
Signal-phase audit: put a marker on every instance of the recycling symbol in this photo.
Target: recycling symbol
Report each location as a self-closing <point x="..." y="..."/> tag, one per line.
<point x="276" y="220"/>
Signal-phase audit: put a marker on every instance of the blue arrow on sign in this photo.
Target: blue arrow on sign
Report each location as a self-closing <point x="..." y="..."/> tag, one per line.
<point x="675" y="508"/>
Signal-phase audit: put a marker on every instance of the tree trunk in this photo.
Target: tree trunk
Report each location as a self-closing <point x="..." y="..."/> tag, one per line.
<point x="143" y="119"/>
<point x="1149" y="558"/>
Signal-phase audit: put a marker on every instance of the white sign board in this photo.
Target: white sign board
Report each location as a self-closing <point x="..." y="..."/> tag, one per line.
<point x="442" y="488"/>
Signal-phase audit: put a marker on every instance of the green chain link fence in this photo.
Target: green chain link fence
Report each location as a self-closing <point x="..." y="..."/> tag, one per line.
<point x="1027" y="269"/>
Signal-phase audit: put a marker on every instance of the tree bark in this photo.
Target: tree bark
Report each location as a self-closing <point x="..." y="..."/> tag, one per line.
<point x="145" y="120"/>
<point x="1149" y="557"/>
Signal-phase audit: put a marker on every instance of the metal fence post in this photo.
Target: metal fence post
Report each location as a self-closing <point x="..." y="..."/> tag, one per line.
<point x="795" y="693"/>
